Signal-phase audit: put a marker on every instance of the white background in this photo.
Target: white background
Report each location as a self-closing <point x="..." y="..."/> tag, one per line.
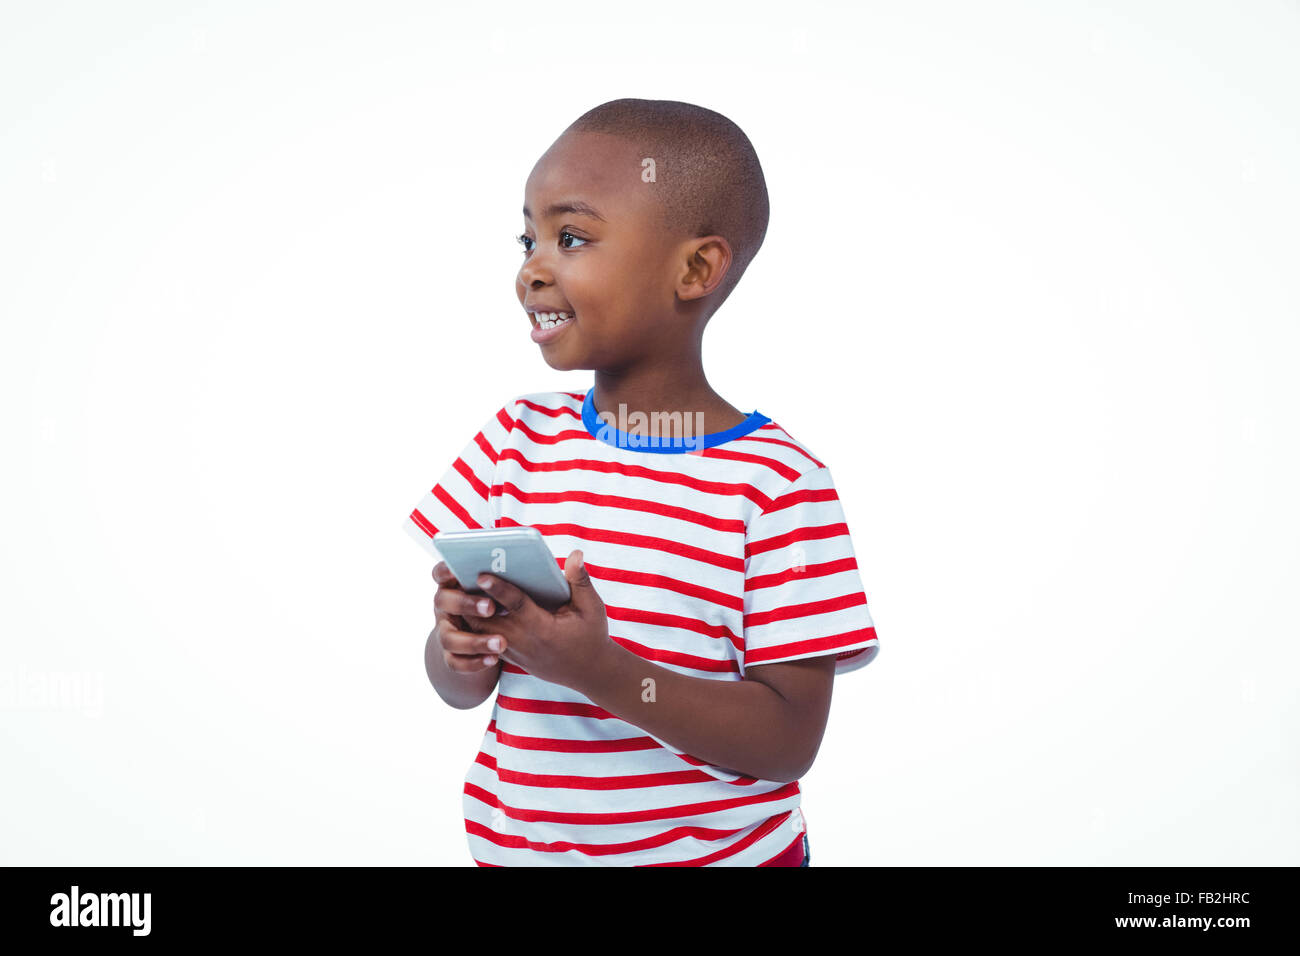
<point x="1029" y="289"/>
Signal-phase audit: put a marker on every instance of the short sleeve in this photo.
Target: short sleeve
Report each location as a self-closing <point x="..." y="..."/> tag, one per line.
<point x="803" y="593"/>
<point x="462" y="498"/>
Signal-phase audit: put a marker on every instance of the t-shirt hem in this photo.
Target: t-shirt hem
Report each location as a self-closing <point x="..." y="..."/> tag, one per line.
<point x="845" y="666"/>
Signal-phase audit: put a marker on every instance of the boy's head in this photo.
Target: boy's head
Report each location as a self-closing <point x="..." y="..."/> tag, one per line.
<point x="639" y="221"/>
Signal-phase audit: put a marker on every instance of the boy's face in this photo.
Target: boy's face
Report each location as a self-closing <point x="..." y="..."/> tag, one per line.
<point x="614" y="275"/>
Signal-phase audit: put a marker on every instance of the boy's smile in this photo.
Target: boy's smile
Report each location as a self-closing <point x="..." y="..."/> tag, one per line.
<point x="595" y="248"/>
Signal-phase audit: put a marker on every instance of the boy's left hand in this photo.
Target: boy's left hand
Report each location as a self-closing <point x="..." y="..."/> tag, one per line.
<point x="560" y="646"/>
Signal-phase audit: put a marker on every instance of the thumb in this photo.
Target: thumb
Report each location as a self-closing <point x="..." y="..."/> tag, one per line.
<point x="582" y="590"/>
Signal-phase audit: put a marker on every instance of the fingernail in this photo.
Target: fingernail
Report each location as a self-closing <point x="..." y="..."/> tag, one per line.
<point x="489" y="660"/>
<point x="484" y="606"/>
<point x="495" y="643"/>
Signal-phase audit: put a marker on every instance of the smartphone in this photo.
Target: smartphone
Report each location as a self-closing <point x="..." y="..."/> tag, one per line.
<point x="518" y="555"/>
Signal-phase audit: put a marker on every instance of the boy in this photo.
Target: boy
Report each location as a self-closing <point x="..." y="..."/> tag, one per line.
<point x="665" y="715"/>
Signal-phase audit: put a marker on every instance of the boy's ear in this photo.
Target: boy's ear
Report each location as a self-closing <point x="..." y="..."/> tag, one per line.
<point x="707" y="262"/>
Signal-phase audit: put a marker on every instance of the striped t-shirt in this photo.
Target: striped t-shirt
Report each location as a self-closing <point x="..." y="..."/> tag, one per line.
<point x="710" y="555"/>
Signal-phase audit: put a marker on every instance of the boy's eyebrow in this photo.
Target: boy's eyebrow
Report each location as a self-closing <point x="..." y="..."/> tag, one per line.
<point x="575" y="206"/>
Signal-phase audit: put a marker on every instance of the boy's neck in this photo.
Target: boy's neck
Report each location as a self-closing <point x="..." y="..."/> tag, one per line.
<point x="665" y="389"/>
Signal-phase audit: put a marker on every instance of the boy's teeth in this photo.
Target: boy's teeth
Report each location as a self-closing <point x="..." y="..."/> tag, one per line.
<point x="549" y="320"/>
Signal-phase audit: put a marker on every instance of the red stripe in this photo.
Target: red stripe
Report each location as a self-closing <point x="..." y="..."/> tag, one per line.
<point x="813" y="533"/>
<point x="552" y="412"/>
<point x="674" y="812"/>
<point x="507" y="422"/>
<point x="807" y="609"/>
<point x="660" y="619"/>
<point x="485" y="446"/>
<point x="454" y="506"/>
<point x="758" y="834"/>
<point x="568" y="434"/>
<point x="640" y="505"/>
<point x="619" y="745"/>
<point x="726" y="454"/>
<point x="648" y="580"/>
<point x="644" y="541"/>
<point x="627" y="782"/>
<point x="565" y="708"/>
<point x="471" y="479"/>
<point x="511" y="841"/>
<point x="738" y="782"/>
<point x="762" y="654"/>
<point x="757" y="436"/>
<point x="741" y="781"/>
<point x="645" y="579"/>
<point x="760" y="581"/>
<point x="727" y="489"/>
<point x="800" y="497"/>
<point x="664" y="656"/>
<point x="423" y="523"/>
<point x="793" y="855"/>
<point x="557" y="745"/>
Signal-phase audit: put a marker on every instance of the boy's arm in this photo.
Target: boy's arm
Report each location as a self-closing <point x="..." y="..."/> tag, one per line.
<point x="767" y="726"/>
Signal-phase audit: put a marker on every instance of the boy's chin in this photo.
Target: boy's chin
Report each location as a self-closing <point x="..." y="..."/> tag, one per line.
<point x="564" y="363"/>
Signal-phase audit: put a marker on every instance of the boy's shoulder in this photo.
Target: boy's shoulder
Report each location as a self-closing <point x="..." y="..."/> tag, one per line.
<point x="788" y="460"/>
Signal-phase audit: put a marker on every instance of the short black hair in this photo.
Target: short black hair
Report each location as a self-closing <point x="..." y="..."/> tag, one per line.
<point x="707" y="175"/>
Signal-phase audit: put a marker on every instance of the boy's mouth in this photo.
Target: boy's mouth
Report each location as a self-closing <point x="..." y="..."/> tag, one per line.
<point x="547" y="322"/>
<point x="549" y="325"/>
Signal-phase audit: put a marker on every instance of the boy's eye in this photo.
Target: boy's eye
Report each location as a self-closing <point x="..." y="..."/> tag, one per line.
<point x="525" y="240"/>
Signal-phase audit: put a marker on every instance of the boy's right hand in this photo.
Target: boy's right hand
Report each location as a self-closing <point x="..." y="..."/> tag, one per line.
<point x="463" y="623"/>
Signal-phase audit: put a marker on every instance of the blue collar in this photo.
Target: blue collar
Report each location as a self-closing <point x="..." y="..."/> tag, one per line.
<point x="611" y="435"/>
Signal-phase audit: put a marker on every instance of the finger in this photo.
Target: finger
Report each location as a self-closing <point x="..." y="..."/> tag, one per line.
<point x="462" y="664"/>
<point x="512" y="599"/>
<point x="466" y="605"/>
<point x="444" y="578"/>
<point x="466" y="651"/>
<point x="468" y="644"/>
<point x="466" y="623"/>
<point x="454" y="636"/>
<point x="451" y="599"/>
<point x="469" y="623"/>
